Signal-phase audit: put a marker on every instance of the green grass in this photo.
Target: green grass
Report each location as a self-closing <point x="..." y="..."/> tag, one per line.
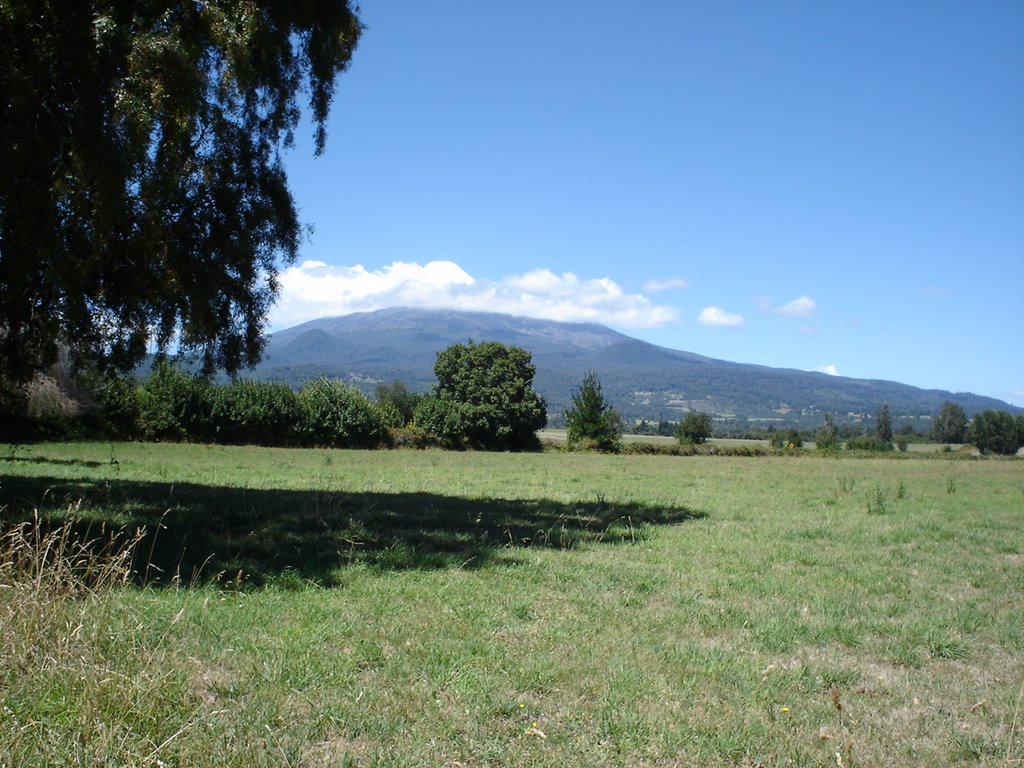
<point x="431" y="608"/>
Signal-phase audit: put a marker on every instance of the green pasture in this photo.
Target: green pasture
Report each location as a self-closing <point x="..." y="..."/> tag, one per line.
<point x="423" y="608"/>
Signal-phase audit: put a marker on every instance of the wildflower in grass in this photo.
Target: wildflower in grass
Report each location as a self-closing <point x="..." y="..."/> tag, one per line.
<point x="785" y="709"/>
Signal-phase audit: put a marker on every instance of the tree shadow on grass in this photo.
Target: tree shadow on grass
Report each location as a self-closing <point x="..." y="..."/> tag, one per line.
<point x="202" y="532"/>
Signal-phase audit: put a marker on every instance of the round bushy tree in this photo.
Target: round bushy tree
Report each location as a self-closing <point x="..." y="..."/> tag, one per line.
<point x="695" y="428"/>
<point x="484" y="398"/>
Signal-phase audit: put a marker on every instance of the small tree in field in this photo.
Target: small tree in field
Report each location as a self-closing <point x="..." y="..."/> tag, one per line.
<point x="883" y="424"/>
<point x="827" y="438"/>
<point x="695" y="428"/>
<point x="592" y="419"/>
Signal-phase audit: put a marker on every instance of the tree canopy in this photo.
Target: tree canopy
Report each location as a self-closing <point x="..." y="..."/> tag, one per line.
<point x="695" y="428"/>
<point x="883" y="424"/>
<point x="999" y="432"/>
<point x="950" y="424"/>
<point x="484" y="398"/>
<point x="142" y="193"/>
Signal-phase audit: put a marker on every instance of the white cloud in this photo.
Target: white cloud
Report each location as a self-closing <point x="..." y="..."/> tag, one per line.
<point x="314" y="289"/>
<point x="802" y="307"/>
<point x="934" y="292"/>
<point x="665" y="284"/>
<point x="716" y="316"/>
<point x="830" y="369"/>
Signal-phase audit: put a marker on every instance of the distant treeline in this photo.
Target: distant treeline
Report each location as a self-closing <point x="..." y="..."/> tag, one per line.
<point x="174" y="405"/>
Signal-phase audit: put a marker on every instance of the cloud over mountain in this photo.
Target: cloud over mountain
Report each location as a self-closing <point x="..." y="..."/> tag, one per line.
<point x="315" y="289"/>
<point x="718" y="317"/>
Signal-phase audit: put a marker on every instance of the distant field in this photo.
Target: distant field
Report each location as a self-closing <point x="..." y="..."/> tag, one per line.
<point x="558" y="435"/>
<point x="466" y="609"/>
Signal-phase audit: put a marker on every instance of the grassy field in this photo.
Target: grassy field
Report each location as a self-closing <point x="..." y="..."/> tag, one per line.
<point x="558" y="436"/>
<point x="467" y="609"/>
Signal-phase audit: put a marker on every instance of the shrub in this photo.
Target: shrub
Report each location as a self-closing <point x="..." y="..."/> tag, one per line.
<point x="255" y="413"/>
<point x="444" y="419"/>
<point x="876" y="501"/>
<point x="868" y="443"/>
<point x="397" y="403"/>
<point x="174" y="405"/>
<point x="789" y="441"/>
<point x="119" y="407"/>
<point x="335" y="415"/>
<point x="412" y="436"/>
<point x="390" y="415"/>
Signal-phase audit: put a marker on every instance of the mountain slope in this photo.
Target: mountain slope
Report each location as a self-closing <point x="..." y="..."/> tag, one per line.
<point x="642" y="380"/>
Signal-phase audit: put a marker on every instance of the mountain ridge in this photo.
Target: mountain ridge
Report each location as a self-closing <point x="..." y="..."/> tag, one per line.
<point x="642" y="380"/>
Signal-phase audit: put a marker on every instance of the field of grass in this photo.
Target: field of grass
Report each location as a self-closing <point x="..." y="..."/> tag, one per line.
<point x="558" y="436"/>
<point x="342" y="608"/>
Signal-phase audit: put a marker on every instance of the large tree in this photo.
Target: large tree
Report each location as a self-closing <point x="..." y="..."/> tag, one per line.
<point x="484" y="398"/>
<point x="142" y="193"/>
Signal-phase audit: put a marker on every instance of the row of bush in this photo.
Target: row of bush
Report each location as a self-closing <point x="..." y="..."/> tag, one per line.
<point x="173" y="405"/>
<point x="483" y="399"/>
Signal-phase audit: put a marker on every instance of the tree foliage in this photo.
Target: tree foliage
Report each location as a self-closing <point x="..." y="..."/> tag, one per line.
<point x="397" y="402"/>
<point x="950" y="424"/>
<point x="255" y="413"/>
<point x="994" y="431"/>
<point x="484" y="398"/>
<point x="335" y="415"/>
<point x="591" y="420"/>
<point x="173" y="406"/>
<point x="695" y="428"/>
<point x="883" y="424"/>
<point x="142" y="193"/>
<point x="827" y="438"/>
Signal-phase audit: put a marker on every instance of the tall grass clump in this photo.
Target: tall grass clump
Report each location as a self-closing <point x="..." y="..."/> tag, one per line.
<point x="70" y="653"/>
<point x="877" y="501"/>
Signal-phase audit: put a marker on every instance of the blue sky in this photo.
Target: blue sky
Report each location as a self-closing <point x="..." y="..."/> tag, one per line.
<point x="814" y="185"/>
